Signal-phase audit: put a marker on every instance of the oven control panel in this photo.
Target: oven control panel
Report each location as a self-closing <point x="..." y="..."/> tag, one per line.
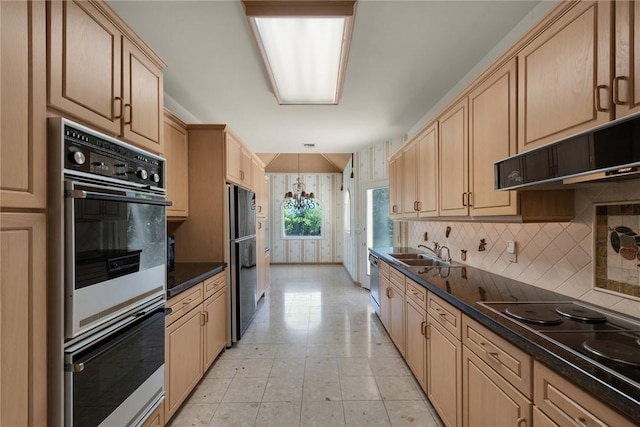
<point x="97" y="155"/>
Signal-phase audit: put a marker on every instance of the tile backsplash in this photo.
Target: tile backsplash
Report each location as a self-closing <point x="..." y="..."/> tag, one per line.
<point x="554" y="256"/>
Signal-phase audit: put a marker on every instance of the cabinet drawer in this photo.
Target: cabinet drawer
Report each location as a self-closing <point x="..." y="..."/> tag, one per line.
<point x="397" y="279"/>
<point x="568" y="405"/>
<point x="417" y="294"/>
<point x="445" y="314"/>
<point x="513" y="364"/>
<point x="184" y="302"/>
<point x="214" y="284"/>
<point x="384" y="268"/>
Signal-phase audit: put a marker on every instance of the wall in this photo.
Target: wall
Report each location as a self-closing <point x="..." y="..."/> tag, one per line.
<point x="554" y="256"/>
<point x="327" y="249"/>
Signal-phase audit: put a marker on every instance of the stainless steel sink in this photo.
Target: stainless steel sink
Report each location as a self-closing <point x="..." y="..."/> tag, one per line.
<point x="420" y="260"/>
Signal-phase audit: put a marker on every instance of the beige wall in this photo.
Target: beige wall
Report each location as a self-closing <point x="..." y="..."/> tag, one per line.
<point x="554" y="256"/>
<point x="328" y="248"/>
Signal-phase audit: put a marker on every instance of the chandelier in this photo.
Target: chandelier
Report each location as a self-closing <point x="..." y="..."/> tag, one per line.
<point x="299" y="198"/>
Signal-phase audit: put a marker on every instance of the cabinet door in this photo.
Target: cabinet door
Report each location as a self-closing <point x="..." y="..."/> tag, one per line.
<point x="262" y="194"/>
<point x="234" y="159"/>
<point x="395" y="186"/>
<point x="396" y="302"/>
<point x="215" y="327"/>
<point x="85" y="64"/>
<point x="260" y="262"/>
<point x="23" y="131"/>
<point x="156" y="418"/>
<point x="409" y="175"/>
<point x="385" y="303"/>
<point x="143" y="99"/>
<point x="488" y="400"/>
<point x="428" y="172"/>
<point x="453" y="161"/>
<point x="23" y="319"/>
<point x="183" y="366"/>
<point x="626" y="82"/>
<point x="492" y="137"/>
<point x="176" y="151"/>
<point x="444" y="383"/>
<point x="416" y="348"/>
<point x="564" y="74"/>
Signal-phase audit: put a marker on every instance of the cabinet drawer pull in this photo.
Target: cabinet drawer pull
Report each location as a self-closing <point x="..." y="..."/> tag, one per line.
<point x="128" y="122"/>
<point x="119" y="109"/>
<point x="616" y="90"/>
<point x="491" y="352"/>
<point x="470" y="199"/>
<point x="598" y="99"/>
<point x="206" y="317"/>
<point x="581" y="420"/>
<point x="202" y="319"/>
<point x="520" y="421"/>
<point x="423" y="328"/>
<point x="187" y="301"/>
<point x="464" y="203"/>
<point x="440" y="312"/>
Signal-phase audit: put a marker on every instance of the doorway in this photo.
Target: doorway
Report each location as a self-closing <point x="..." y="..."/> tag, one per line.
<point x="378" y="226"/>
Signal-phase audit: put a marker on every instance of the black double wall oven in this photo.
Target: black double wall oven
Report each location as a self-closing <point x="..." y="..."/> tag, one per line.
<point x="113" y="281"/>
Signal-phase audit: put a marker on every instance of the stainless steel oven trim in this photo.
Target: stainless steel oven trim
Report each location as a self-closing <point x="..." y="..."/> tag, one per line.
<point x="91" y="195"/>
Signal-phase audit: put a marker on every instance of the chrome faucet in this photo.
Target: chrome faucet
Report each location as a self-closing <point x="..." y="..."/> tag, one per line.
<point x="437" y="251"/>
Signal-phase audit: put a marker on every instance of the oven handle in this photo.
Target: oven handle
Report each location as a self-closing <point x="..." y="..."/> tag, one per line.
<point x="82" y="194"/>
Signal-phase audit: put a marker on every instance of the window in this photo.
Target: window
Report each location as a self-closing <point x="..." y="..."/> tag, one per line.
<point x="302" y="221"/>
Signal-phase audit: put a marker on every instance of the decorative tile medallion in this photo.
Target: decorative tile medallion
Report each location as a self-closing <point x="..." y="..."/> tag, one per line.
<point x="617" y="248"/>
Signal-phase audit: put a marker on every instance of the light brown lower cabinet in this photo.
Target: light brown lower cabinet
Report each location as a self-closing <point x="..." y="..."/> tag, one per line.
<point x="488" y="399"/>
<point x="416" y="331"/>
<point x="196" y="333"/>
<point x="566" y="404"/>
<point x="396" y="307"/>
<point x="444" y="379"/>
<point x="156" y="419"/>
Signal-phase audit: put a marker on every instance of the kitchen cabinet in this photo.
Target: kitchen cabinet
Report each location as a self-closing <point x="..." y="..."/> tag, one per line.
<point x="23" y="125"/>
<point x="495" y="374"/>
<point x="23" y="316"/>
<point x="196" y="333"/>
<point x="565" y="404"/>
<point x="454" y="160"/>
<point x="261" y="261"/>
<point x="489" y="400"/>
<point x="564" y="76"/>
<point x="395" y="186"/>
<point x="444" y="360"/>
<point x="492" y="137"/>
<point x="215" y="318"/>
<point x="262" y="194"/>
<point x="239" y="163"/>
<point x="416" y="331"/>
<point x="626" y="81"/>
<point x="384" y="287"/>
<point x="263" y="272"/>
<point x="102" y="74"/>
<point x="184" y="348"/>
<point x="176" y="151"/>
<point x="395" y="294"/>
<point x="420" y="175"/>
<point x="156" y="418"/>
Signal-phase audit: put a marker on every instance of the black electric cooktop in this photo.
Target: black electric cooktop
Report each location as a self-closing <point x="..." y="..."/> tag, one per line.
<point x="602" y="337"/>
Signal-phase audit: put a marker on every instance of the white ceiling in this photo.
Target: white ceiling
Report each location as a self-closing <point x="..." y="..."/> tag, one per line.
<point x="405" y="56"/>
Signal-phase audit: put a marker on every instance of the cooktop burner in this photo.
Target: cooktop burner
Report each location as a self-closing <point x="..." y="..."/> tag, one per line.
<point x="618" y="352"/>
<point x="534" y="313"/>
<point x="577" y="312"/>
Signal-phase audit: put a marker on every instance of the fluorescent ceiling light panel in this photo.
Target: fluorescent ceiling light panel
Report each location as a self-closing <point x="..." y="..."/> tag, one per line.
<point x="303" y="56"/>
<point x="304" y="45"/>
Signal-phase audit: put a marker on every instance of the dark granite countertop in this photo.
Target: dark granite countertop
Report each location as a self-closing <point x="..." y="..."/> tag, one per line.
<point x="464" y="287"/>
<point x="188" y="274"/>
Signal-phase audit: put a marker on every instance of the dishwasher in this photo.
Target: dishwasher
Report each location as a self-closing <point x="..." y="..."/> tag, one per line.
<point x="374" y="281"/>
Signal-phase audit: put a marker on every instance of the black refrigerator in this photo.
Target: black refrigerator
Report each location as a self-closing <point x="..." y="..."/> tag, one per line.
<point x="242" y="251"/>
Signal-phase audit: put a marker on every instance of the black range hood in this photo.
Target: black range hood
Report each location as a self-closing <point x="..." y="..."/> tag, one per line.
<point x="608" y="153"/>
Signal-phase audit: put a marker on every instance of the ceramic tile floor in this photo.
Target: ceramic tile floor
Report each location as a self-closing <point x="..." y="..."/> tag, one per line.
<point x="315" y="355"/>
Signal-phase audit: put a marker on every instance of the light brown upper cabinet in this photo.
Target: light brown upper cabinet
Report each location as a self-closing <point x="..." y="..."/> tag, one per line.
<point x="262" y="194"/>
<point x="395" y="185"/>
<point x="626" y="81"/>
<point x="454" y="193"/>
<point x="420" y="175"/>
<point x="492" y="137"/>
<point x="23" y="126"/>
<point x="176" y="151"/>
<point x="239" y="162"/>
<point x="564" y="81"/>
<point x="101" y="73"/>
